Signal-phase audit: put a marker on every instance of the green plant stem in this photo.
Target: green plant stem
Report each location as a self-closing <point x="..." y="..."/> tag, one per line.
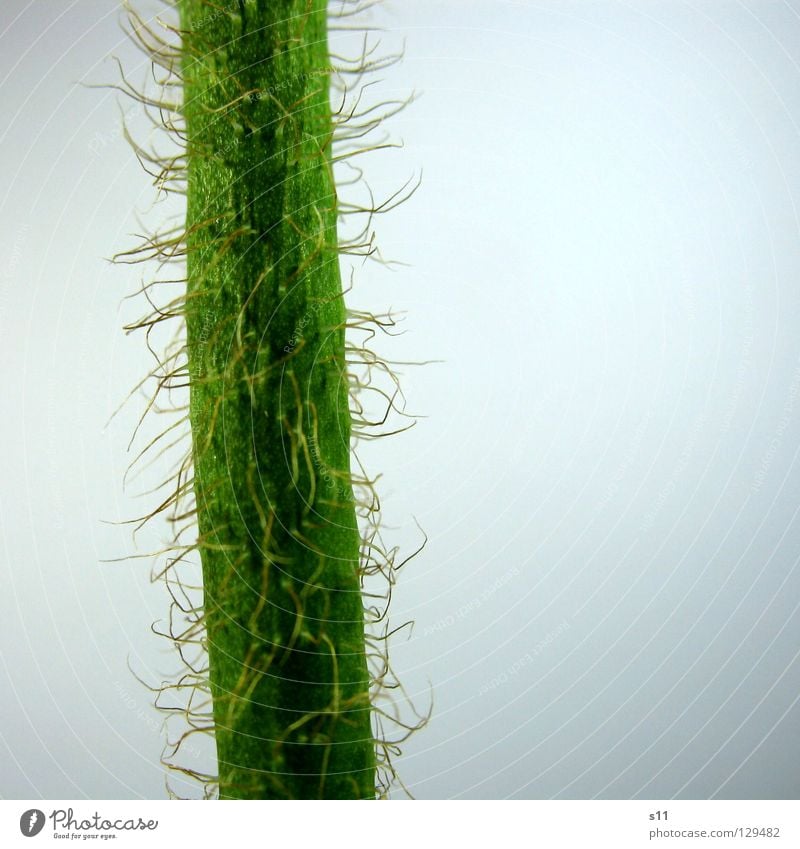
<point x="269" y="413"/>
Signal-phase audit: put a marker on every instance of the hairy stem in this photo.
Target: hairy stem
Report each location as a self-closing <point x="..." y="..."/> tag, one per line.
<point x="269" y="410"/>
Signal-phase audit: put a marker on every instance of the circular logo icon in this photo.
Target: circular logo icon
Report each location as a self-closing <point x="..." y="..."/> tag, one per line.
<point x="31" y="822"/>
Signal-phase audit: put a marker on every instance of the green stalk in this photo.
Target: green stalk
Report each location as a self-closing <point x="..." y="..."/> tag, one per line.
<point x="269" y="415"/>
